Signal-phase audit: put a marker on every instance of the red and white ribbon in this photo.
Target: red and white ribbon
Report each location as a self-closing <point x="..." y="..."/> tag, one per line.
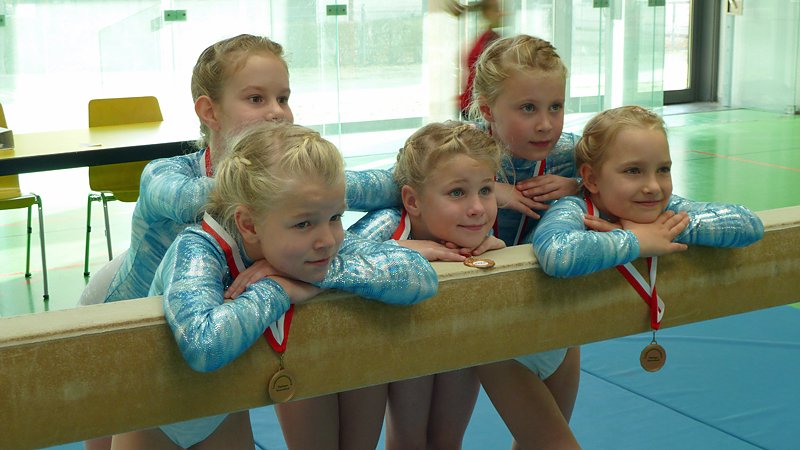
<point x="403" y="230"/>
<point x="647" y="291"/>
<point x="207" y="168"/>
<point x="277" y="334"/>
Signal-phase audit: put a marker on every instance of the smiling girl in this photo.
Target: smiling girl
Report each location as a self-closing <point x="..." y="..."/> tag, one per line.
<point x="278" y="198"/>
<point x="446" y="172"/>
<point x="624" y="159"/>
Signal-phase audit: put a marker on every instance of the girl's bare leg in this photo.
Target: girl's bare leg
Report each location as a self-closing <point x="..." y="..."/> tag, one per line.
<point x="152" y="438"/>
<point x="311" y="424"/>
<point x="454" y="397"/>
<point x="526" y="406"/>
<point x="235" y="432"/>
<point x="361" y="417"/>
<point x="101" y="443"/>
<point x="563" y="383"/>
<point x="407" y="413"/>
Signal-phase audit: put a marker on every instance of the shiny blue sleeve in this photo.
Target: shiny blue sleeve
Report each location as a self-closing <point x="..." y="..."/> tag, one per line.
<point x="565" y="248"/>
<point x="382" y="271"/>
<point x="561" y="160"/>
<point x="715" y="224"/>
<point x="211" y="332"/>
<point x="377" y="225"/>
<point x="368" y="190"/>
<point x="172" y="188"/>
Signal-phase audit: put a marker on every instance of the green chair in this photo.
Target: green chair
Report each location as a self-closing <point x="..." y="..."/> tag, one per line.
<point x="12" y="198"/>
<point x="116" y="181"/>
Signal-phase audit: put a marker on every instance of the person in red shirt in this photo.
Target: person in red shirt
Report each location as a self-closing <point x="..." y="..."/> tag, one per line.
<point x="490" y="11"/>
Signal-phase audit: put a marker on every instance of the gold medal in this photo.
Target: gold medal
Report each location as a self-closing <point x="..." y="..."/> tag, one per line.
<point x="281" y="386"/>
<point x="653" y="357"/>
<point x="479" y="263"/>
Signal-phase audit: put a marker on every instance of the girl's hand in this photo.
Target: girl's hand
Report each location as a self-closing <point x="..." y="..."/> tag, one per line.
<point x="298" y="291"/>
<point x="655" y="239"/>
<point x="598" y="224"/>
<point x="255" y="272"/>
<point x="508" y="197"/>
<point x="490" y="243"/>
<point x="433" y="251"/>
<point x="548" y="187"/>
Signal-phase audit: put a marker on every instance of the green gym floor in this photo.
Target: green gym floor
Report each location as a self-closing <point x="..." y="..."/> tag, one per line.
<point x="731" y="155"/>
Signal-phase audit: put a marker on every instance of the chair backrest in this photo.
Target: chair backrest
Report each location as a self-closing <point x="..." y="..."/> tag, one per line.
<point x="9" y="187"/>
<point x="121" y="179"/>
<point x="9" y="184"/>
<point x="123" y="111"/>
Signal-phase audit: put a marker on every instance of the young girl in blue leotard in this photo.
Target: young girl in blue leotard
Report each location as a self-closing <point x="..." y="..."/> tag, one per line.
<point x="446" y="172"/>
<point x="235" y="82"/>
<point x="278" y="198"/>
<point x="624" y="158"/>
<point x="628" y="210"/>
<point x="519" y="91"/>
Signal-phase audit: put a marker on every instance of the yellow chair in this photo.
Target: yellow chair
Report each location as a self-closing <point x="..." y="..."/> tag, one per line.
<point x="116" y="181"/>
<point x="11" y="198"/>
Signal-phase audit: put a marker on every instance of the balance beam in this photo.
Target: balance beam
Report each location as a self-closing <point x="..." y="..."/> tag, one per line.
<point x="74" y="374"/>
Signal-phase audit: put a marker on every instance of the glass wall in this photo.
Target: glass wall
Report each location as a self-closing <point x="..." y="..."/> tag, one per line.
<point x="760" y="56"/>
<point x="614" y="50"/>
<point x="50" y="60"/>
<point x="377" y="72"/>
<point x="678" y="36"/>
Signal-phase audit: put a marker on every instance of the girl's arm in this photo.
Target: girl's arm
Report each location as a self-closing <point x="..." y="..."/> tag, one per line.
<point x="716" y="224"/>
<point x="377" y="225"/>
<point x="547" y="188"/>
<point x="509" y="197"/>
<point x="368" y="190"/>
<point x="560" y="180"/>
<point x="381" y="271"/>
<point x="170" y="188"/>
<point x="565" y="248"/>
<point x="380" y="225"/>
<point x="209" y="331"/>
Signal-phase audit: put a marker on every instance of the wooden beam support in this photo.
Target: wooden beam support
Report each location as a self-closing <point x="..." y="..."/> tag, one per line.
<point x="73" y="374"/>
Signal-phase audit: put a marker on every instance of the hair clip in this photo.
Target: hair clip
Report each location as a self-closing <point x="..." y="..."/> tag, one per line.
<point x="242" y="160"/>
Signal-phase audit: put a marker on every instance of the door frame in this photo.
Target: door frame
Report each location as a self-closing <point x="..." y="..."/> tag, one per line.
<point x="704" y="47"/>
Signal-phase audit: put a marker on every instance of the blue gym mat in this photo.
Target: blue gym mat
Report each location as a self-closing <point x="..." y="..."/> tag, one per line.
<point x="728" y="384"/>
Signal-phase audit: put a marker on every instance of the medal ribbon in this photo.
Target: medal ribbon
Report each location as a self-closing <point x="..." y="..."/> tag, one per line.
<point x="538" y="170"/>
<point x="277" y="334"/>
<point x="646" y="291"/>
<point x="635" y="279"/>
<point x="403" y="230"/>
<point x="207" y="169"/>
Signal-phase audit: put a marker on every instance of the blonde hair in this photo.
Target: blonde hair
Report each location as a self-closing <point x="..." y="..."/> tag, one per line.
<point x="220" y="61"/>
<point x="601" y="130"/>
<point x="506" y="57"/>
<point x="434" y="142"/>
<point x="263" y="163"/>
